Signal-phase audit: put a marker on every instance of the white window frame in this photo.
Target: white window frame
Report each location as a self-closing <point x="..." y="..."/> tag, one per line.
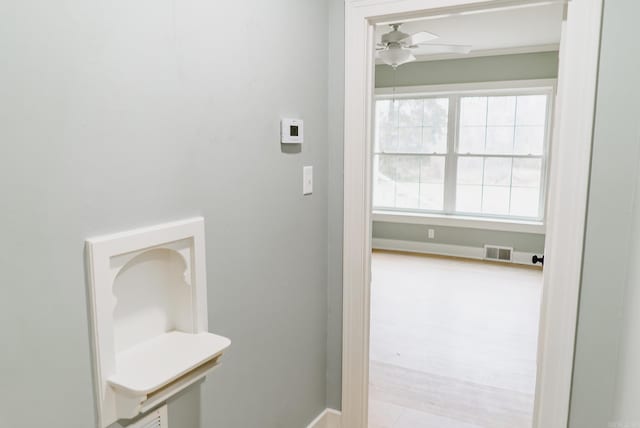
<point x="454" y="92"/>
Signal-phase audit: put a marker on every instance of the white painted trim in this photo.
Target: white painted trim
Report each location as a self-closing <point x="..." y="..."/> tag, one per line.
<point x="462" y="251"/>
<point x="481" y="223"/>
<point x="566" y="212"/>
<point x="329" y="418"/>
<point x="568" y="186"/>
<point x="504" y="87"/>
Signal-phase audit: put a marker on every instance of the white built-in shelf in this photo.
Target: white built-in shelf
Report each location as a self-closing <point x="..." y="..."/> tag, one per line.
<point x="151" y="365"/>
<point x="148" y="304"/>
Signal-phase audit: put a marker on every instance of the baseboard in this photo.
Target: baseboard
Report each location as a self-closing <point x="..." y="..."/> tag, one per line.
<point x="477" y="253"/>
<point x="329" y="418"/>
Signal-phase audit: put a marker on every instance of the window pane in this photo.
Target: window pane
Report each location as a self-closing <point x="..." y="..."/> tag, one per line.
<point x="507" y="125"/>
<point x="468" y="198"/>
<point x="412" y="126"/>
<point x="384" y="184"/>
<point x="484" y="186"/>
<point x="410" y="113"/>
<point x="532" y="110"/>
<point x="436" y="112"/>
<point x="501" y="111"/>
<point x="473" y="111"/>
<point x="386" y="137"/>
<point x="495" y="200"/>
<point x="472" y="139"/>
<point x="432" y="169"/>
<point x="499" y="140"/>
<point x="409" y="140"/>
<point x="524" y="201"/>
<point x="529" y="140"/>
<point x="526" y="172"/>
<point x="432" y="183"/>
<point x="434" y="139"/>
<point x="497" y="172"/>
<point x="470" y="170"/>
<point x="431" y="196"/>
<point x="407" y="181"/>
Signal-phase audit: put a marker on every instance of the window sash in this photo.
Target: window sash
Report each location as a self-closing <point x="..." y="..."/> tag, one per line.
<point x="452" y="156"/>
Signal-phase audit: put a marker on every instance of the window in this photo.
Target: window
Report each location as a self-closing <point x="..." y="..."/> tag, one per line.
<point x="467" y="154"/>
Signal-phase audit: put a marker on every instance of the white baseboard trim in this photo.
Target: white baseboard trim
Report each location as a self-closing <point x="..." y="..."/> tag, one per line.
<point x="329" y="418"/>
<point x="477" y="253"/>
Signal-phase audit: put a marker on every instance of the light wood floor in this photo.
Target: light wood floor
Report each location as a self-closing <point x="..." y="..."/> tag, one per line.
<point x="453" y="343"/>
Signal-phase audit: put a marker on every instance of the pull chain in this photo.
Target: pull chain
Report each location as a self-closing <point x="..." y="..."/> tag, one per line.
<point x="393" y="95"/>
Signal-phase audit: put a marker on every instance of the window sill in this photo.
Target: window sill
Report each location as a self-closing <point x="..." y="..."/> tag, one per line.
<point x="503" y="225"/>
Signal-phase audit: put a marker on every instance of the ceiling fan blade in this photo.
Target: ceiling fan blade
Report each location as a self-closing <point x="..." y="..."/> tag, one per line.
<point x="419" y="38"/>
<point x="444" y="48"/>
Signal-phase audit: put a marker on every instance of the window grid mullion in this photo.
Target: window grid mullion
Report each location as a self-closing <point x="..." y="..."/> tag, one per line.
<point x="419" y="159"/>
<point x="451" y="160"/>
<point x="513" y="149"/>
<point x="484" y="159"/>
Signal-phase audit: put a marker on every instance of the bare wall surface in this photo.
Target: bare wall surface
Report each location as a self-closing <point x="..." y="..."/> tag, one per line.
<point x="605" y="379"/>
<point x="525" y="242"/>
<point x="121" y="114"/>
<point x="539" y="65"/>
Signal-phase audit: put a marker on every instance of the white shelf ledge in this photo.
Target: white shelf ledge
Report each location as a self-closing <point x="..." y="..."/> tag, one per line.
<point x="153" y="364"/>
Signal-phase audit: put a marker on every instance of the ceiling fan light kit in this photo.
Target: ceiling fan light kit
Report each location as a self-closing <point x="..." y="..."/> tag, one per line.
<point x="395" y="56"/>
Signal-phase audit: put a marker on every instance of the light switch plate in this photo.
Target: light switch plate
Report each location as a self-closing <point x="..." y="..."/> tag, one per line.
<point x="307" y="180"/>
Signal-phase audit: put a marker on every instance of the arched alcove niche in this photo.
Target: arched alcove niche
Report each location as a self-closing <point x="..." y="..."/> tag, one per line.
<point x="153" y="297"/>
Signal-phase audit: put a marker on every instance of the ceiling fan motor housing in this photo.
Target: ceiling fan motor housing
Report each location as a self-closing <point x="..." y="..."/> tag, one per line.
<point x="395" y="36"/>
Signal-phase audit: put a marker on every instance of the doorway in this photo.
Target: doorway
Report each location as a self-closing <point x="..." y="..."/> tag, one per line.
<point x="564" y="218"/>
<point x="462" y="135"/>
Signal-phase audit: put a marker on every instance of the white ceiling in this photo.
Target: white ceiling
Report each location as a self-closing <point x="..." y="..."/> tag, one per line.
<point x="493" y="32"/>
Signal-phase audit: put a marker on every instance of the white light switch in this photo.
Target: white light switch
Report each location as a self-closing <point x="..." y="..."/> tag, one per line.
<point x="307" y="180"/>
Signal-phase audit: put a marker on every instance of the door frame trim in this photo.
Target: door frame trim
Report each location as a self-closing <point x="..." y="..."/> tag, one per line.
<point x="567" y="194"/>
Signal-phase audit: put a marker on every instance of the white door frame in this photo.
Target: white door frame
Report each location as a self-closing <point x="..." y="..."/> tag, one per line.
<point x="569" y="174"/>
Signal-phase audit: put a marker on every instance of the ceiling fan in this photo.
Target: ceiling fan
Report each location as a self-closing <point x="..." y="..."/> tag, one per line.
<point x="395" y="47"/>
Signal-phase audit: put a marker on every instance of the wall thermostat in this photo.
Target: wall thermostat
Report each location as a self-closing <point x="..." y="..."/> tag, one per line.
<point x="291" y="131"/>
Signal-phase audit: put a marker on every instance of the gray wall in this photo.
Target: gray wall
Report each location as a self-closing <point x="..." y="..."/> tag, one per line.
<point x="542" y="65"/>
<point x="603" y="387"/>
<point x="526" y="242"/>
<point x="336" y="133"/>
<point x="121" y="114"/>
